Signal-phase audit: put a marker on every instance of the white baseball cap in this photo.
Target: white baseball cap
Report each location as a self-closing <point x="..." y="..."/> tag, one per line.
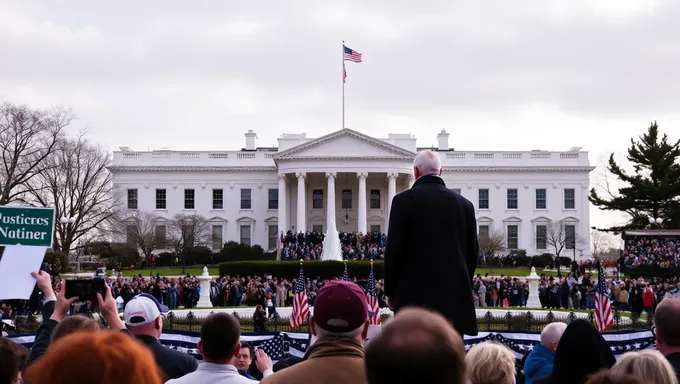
<point x="143" y="309"/>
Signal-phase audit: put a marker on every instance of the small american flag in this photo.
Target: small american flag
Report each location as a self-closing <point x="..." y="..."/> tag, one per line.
<point x="300" y="305"/>
<point x="372" y="300"/>
<point x="352" y="55"/>
<point x="603" y="309"/>
<point x="345" y="275"/>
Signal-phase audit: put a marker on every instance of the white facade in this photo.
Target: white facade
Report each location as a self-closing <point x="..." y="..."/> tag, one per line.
<point x="301" y="185"/>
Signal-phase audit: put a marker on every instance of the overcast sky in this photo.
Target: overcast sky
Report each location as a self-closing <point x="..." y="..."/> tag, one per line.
<point x="496" y="74"/>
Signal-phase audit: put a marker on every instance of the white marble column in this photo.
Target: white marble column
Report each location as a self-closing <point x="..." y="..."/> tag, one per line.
<point x="361" y="224"/>
<point x="391" y="191"/>
<point x="330" y="204"/>
<point x="283" y="218"/>
<point x="301" y="200"/>
<point x="411" y="180"/>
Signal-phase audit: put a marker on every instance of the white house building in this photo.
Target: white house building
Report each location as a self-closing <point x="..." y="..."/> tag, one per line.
<point x="251" y="195"/>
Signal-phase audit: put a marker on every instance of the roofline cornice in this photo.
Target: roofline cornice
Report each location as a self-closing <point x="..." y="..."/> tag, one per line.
<point x="346" y="131"/>
<point x="404" y="158"/>
<point x="174" y="168"/>
<point x="517" y="169"/>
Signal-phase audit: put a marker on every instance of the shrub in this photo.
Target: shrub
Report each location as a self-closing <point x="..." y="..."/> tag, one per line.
<point x="291" y="269"/>
<point x="198" y="255"/>
<point x="233" y="251"/>
<point x="58" y="261"/>
<point x="541" y="261"/>
<point x="565" y="261"/>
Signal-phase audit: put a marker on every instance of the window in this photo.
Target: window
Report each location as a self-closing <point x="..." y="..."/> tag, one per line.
<point x="513" y="232"/>
<point x="189" y="199"/>
<point x="272" y="235"/>
<point x="317" y="228"/>
<point x="570" y="236"/>
<point x="132" y="201"/>
<point x="245" y="234"/>
<point x="218" y="199"/>
<point x="159" y="235"/>
<point x="375" y="228"/>
<point x="541" y="237"/>
<point x="317" y="199"/>
<point x="457" y="190"/>
<point x="217" y="242"/>
<point x="375" y="199"/>
<point x="541" y="200"/>
<point x="161" y="202"/>
<point x="273" y="199"/>
<point x="346" y="199"/>
<point x="483" y="199"/>
<point x="512" y="198"/>
<point x="131" y="234"/>
<point x="569" y="202"/>
<point x="246" y="199"/>
<point x="188" y="234"/>
<point x="483" y="232"/>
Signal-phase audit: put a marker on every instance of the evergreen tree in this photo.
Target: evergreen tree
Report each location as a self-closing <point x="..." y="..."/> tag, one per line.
<point x="653" y="189"/>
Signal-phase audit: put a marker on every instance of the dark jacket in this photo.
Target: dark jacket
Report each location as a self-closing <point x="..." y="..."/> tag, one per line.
<point x="674" y="359"/>
<point x="582" y="351"/>
<point x="173" y="363"/>
<point x="433" y="235"/>
<point x="44" y="335"/>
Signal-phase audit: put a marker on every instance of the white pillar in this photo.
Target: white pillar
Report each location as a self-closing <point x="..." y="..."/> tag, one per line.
<point x="391" y="191"/>
<point x="204" y="283"/>
<point x="301" y="200"/>
<point x="282" y="219"/>
<point x="411" y="180"/>
<point x="330" y="204"/>
<point x="533" y="301"/>
<point x="361" y="225"/>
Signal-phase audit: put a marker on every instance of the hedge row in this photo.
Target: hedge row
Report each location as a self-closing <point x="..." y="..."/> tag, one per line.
<point x="291" y="269"/>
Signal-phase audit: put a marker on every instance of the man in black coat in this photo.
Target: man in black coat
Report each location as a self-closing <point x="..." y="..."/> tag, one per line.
<point x="432" y="237"/>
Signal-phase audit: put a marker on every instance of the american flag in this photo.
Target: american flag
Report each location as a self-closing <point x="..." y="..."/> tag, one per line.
<point x="345" y="275"/>
<point x="344" y="73"/>
<point x="603" y="309"/>
<point x="352" y="55"/>
<point x="300" y="305"/>
<point x="372" y="300"/>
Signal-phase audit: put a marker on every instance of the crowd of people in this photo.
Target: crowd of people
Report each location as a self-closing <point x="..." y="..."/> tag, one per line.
<point x="651" y="252"/>
<point x="416" y="346"/>
<point x="353" y="245"/>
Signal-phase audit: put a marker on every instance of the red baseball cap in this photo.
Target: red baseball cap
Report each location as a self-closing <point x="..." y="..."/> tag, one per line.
<point x="340" y="306"/>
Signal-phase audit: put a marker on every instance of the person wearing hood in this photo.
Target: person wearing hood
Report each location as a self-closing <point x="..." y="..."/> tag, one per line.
<point x="540" y="360"/>
<point x="581" y="352"/>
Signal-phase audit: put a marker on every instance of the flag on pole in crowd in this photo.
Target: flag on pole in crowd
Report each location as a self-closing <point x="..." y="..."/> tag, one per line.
<point x="603" y="309"/>
<point x="300" y="305"/>
<point x="352" y="55"/>
<point x="372" y="300"/>
<point x="345" y="275"/>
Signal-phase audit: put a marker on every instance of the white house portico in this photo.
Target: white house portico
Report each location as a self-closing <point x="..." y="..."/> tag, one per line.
<point x="349" y="178"/>
<point x="352" y="157"/>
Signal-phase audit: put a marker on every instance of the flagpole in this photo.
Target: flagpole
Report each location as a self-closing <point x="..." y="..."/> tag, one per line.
<point x="343" y="84"/>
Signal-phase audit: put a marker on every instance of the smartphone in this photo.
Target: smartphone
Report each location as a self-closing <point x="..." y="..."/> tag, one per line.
<point x="86" y="290"/>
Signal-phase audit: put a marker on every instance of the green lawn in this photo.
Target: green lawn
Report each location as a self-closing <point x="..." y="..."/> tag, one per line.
<point x="195" y="271"/>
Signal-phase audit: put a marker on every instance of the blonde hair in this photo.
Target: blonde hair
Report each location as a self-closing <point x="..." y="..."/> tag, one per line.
<point x="647" y="364"/>
<point x="490" y="363"/>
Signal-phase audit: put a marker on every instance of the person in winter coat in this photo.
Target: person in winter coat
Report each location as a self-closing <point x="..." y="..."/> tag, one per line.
<point x="582" y="351"/>
<point x="540" y="360"/>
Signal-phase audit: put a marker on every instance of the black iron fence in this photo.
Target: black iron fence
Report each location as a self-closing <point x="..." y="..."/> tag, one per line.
<point x="508" y="321"/>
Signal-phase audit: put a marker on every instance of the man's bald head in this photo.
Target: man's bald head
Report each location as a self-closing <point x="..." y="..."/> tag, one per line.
<point x="416" y="346"/>
<point x="667" y="324"/>
<point x="551" y="334"/>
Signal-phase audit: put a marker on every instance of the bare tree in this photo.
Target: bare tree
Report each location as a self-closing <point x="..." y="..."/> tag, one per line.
<point x="186" y="232"/>
<point x="27" y="138"/>
<point x="492" y="244"/>
<point x="557" y="238"/>
<point x="600" y="244"/>
<point x="145" y="232"/>
<point x="74" y="180"/>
